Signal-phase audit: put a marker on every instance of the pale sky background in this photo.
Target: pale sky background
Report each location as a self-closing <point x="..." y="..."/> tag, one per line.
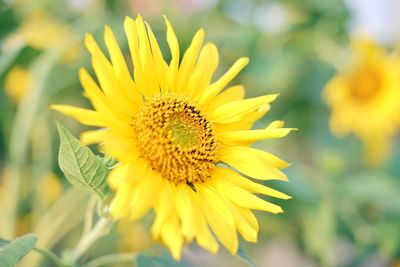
<point x="379" y="19"/>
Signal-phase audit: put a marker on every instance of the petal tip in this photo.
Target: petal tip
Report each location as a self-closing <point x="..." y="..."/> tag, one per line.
<point x="278" y="210"/>
<point x="107" y="30"/>
<point x="53" y="107"/>
<point x="89" y="42"/>
<point x="244" y="60"/>
<point x="128" y="20"/>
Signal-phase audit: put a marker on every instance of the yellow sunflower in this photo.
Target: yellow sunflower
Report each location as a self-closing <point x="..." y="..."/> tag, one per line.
<point x="181" y="140"/>
<point x="17" y="83"/>
<point x="365" y="98"/>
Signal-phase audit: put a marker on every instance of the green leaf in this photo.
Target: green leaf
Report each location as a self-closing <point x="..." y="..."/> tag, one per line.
<point x="160" y="258"/>
<point x="376" y="188"/>
<point x="8" y="57"/>
<point x="109" y="162"/>
<point x="14" y="251"/>
<point x="3" y="242"/>
<point x="242" y="254"/>
<point x="81" y="167"/>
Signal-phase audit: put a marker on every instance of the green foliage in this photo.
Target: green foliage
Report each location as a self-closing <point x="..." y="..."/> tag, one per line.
<point x="157" y="260"/>
<point x="242" y="254"/>
<point x="11" y="252"/>
<point x="3" y="242"/>
<point x="81" y="167"/>
<point x="367" y="188"/>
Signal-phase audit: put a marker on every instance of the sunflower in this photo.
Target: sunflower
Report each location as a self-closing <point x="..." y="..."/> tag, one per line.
<point x="365" y="98"/>
<point x="181" y="140"/>
<point x="16" y="84"/>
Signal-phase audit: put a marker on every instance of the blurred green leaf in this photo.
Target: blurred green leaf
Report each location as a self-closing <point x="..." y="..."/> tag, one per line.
<point x="81" y="167"/>
<point x="11" y="253"/>
<point x="242" y="254"/>
<point x="109" y="162"/>
<point x="318" y="230"/>
<point x="376" y="188"/>
<point x="160" y="260"/>
<point x="4" y="242"/>
<point x="6" y="59"/>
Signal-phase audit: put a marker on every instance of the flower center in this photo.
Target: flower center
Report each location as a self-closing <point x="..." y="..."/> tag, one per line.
<point x="176" y="139"/>
<point x="365" y="84"/>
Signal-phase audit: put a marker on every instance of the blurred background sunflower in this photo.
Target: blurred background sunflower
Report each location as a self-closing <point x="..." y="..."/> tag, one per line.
<point x="345" y="173"/>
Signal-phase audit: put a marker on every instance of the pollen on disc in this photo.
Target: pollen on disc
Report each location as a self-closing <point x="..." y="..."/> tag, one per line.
<point x="176" y="139"/>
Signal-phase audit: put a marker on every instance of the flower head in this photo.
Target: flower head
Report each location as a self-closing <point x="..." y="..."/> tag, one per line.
<point x="42" y="31"/>
<point x="17" y="83"/>
<point x="182" y="140"/>
<point x="365" y="99"/>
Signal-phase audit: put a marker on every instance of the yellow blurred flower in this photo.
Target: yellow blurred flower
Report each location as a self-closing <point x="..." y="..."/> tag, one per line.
<point x="50" y="188"/>
<point x="17" y="83"/>
<point x="170" y="127"/>
<point x="365" y="99"/>
<point x="41" y="31"/>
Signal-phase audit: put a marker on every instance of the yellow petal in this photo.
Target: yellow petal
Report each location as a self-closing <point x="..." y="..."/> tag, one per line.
<point x="250" y="164"/>
<point x="133" y="42"/>
<point x="139" y="49"/>
<point x="120" y="202"/>
<point x="249" y="216"/>
<point x="245" y="228"/>
<point x="93" y="136"/>
<point x="245" y="123"/>
<point x="219" y="217"/>
<point x="107" y="79"/>
<point x="366" y="50"/>
<point x="188" y="61"/>
<point x="101" y="103"/>
<point x="203" y="236"/>
<point x="95" y="95"/>
<point x="144" y="45"/>
<point x="232" y="93"/>
<point x="116" y="56"/>
<point x="203" y="71"/>
<point x="185" y="208"/>
<point x="160" y="66"/>
<point x="276" y="125"/>
<point x="219" y="85"/>
<point x="174" y="47"/>
<point x="266" y="157"/>
<point x="236" y="110"/>
<point x="122" y="176"/>
<point x="121" y="147"/>
<point x="251" y="136"/>
<point x="245" y="199"/>
<point x="142" y="198"/>
<point x="163" y="207"/>
<point x="121" y="69"/>
<point x="172" y="236"/>
<point x="234" y="178"/>
<point x="152" y="87"/>
<point x="84" y="116"/>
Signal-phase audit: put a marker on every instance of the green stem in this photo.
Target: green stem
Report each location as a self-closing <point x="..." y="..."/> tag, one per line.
<point x="99" y="230"/>
<point x="24" y="122"/>
<point x="21" y="128"/>
<point x="109" y="259"/>
<point x="50" y="256"/>
<point x="88" y="223"/>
